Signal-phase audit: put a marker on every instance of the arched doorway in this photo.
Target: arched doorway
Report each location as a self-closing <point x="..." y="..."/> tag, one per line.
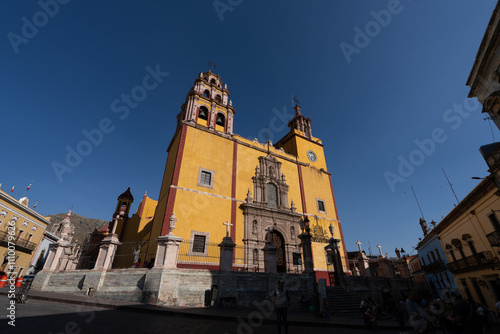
<point x="279" y="242"/>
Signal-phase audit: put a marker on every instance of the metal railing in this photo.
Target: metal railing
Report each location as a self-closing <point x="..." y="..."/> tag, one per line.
<point x="434" y="267"/>
<point x="474" y="262"/>
<point x="19" y="242"/>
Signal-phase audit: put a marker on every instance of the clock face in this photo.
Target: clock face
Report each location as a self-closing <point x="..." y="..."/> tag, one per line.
<point x="311" y="155"/>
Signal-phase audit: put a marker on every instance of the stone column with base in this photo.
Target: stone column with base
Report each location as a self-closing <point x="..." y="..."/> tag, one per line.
<point x="56" y="251"/>
<point x="337" y="261"/>
<point x="226" y="251"/>
<point x="168" y="248"/>
<point x="305" y="238"/>
<point x="107" y="252"/>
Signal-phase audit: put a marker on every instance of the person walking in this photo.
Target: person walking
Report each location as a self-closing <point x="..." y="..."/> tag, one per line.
<point x="281" y="301"/>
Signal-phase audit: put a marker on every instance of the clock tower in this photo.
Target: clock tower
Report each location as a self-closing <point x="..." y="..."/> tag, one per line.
<point x="300" y="142"/>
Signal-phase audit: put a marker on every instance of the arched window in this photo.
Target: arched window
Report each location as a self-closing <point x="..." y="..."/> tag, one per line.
<point x="218" y="98"/>
<point x="467" y="238"/>
<point x="203" y="113"/>
<point x="213" y="82"/>
<point x="206" y="93"/>
<point x="220" y="120"/>
<point x="272" y="195"/>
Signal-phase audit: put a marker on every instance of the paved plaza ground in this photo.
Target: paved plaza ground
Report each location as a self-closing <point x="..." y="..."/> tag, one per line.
<point x="59" y="313"/>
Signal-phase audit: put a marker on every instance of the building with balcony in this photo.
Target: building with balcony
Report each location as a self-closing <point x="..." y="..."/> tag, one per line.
<point x="468" y="237"/>
<point x="21" y="230"/>
<point x="440" y="281"/>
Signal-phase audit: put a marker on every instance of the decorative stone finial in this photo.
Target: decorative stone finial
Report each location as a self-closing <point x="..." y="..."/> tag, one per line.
<point x="302" y="225"/>
<point x="332" y="230"/>
<point x="249" y="197"/>
<point x="292" y="207"/>
<point x="283" y="177"/>
<point x="171" y="223"/>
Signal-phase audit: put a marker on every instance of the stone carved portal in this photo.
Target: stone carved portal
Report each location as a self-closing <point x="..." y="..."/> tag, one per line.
<point x="279" y="243"/>
<point x="269" y="208"/>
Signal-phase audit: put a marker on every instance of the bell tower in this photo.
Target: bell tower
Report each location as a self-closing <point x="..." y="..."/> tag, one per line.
<point x="207" y="104"/>
<point x="300" y="123"/>
<point x="301" y="143"/>
<point x="124" y="202"/>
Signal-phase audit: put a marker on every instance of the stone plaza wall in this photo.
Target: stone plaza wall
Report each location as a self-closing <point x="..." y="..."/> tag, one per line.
<point x="175" y="287"/>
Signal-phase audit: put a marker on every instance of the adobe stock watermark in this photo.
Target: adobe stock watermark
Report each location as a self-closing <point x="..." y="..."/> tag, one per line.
<point x="121" y="106"/>
<point x="222" y="6"/>
<point x="426" y="147"/>
<point x="30" y="28"/>
<point x="371" y="29"/>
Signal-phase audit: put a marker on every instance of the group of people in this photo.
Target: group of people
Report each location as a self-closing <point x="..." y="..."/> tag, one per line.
<point x="451" y="317"/>
<point x="456" y="316"/>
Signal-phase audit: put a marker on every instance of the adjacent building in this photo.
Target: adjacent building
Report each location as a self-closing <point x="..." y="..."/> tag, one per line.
<point x="469" y="237"/>
<point x="26" y="229"/>
<point x="440" y="281"/>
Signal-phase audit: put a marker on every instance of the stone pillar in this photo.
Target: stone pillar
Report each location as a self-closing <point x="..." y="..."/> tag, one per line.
<point x="167" y="251"/>
<point x="168" y="247"/>
<point x="364" y="265"/>
<point x="270" y="258"/>
<point x="56" y="250"/>
<point x="337" y="262"/>
<point x="305" y="243"/>
<point x="385" y="269"/>
<point x="107" y="252"/>
<point x="226" y="254"/>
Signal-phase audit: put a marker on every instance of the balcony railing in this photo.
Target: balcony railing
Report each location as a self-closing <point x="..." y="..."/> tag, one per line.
<point x="494" y="238"/>
<point x="435" y="267"/>
<point x="479" y="261"/>
<point x="23" y="245"/>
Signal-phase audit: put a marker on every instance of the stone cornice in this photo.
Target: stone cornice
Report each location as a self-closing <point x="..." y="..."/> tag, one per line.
<point x="289" y="135"/>
<point x="484" y="52"/>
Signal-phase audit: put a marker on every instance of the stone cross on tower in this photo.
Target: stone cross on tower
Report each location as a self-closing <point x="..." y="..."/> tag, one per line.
<point x="380" y="250"/>
<point x="269" y="231"/>
<point x="227" y="227"/>
<point x="359" y="246"/>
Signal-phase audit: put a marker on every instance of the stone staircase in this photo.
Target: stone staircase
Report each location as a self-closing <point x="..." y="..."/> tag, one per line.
<point x="343" y="303"/>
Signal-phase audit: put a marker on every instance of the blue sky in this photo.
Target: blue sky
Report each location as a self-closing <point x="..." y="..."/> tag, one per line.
<point x="397" y="87"/>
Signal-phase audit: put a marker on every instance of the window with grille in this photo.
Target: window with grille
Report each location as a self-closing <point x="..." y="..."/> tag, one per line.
<point x="321" y="205"/>
<point x="199" y="243"/>
<point x="205" y="178"/>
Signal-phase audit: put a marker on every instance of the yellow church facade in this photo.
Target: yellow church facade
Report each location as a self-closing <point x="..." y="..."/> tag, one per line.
<point x="217" y="183"/>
